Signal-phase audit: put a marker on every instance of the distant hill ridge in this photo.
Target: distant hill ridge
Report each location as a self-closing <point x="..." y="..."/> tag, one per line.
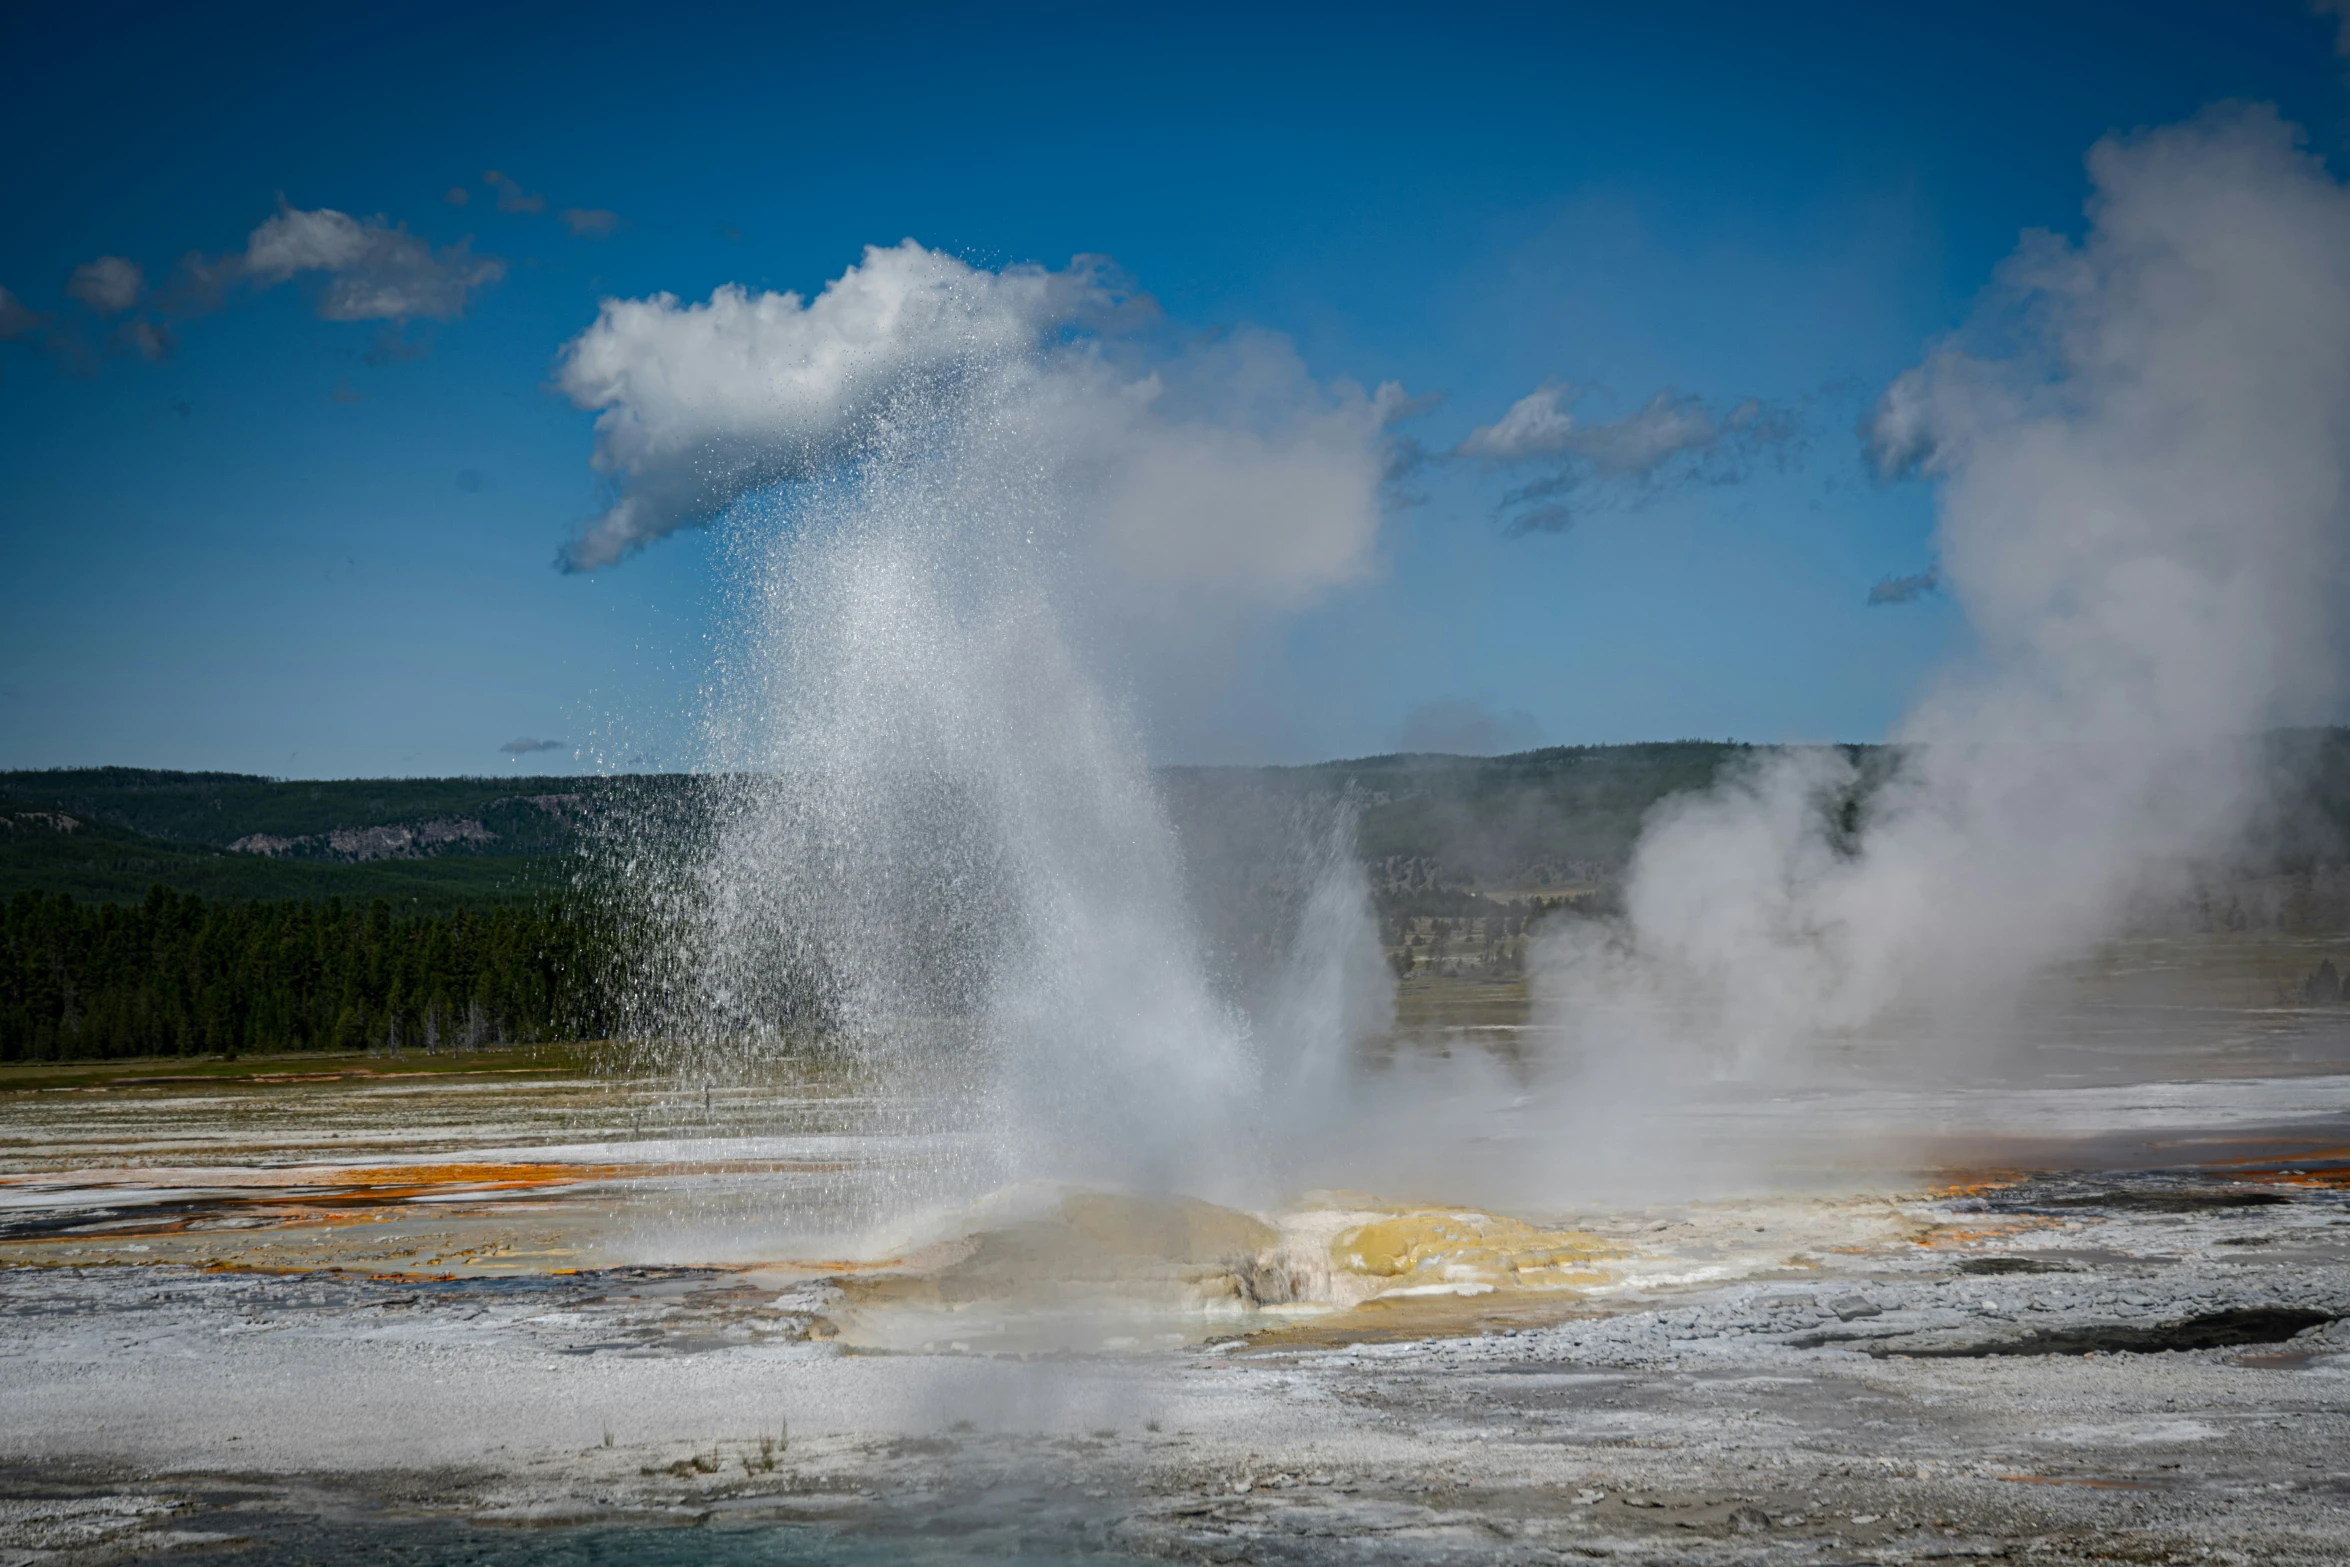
<point x="303" y="817"/>
<point x="1557" y="816"/>
<point x="1564" y="817"/>
<point x="110" y="833"/>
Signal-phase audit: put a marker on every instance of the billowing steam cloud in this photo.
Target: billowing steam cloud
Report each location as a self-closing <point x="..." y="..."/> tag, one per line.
<point x="1223" y="464"/>
<point x="2142" y="448"/>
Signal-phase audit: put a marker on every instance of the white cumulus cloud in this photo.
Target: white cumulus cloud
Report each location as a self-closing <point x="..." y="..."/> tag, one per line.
<point x="1536" y="425"/>
<point x="1220" y="464"/>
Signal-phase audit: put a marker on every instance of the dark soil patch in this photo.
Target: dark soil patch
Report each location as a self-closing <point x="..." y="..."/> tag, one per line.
<point x="2170" y="1202"/>
<point x="2013" y="1265"/>
<point x="2212" y="1330"/>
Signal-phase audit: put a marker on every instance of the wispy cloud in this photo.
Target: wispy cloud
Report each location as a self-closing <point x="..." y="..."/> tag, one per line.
<point x="200" y="284"/>
<point x="60" y="344"/>
<point x="1672" y="438"/>
<point x="2339" y="10"/>
<point x="109" y="285"/>
<point x="511" y="196"/>
<point x="16" y="320"/>
<point x="393" y="346"/>
<point x="363" y="269"/>
<point x="529" y="747"/>
<point x="149" y="340"/>
<point x="1535" y="426"/>
<point x="373" y="270"/>
<point x="582" y="222"/>
<point x="367" y="269"/>
<point x="1906" y="590"/>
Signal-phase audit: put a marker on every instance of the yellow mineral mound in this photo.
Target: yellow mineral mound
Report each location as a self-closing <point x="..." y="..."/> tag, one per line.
<point x="1452" y="1251"/>
<point x="1029" y="1263"/>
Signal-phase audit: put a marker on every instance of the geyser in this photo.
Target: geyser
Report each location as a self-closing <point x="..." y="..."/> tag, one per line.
<point x="935" y="841"/>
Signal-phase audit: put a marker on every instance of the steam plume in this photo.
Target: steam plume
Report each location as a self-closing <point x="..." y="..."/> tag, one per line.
<point x="2142" y="449"/>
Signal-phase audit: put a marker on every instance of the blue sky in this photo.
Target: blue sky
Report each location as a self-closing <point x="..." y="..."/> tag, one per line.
<point x="317" y="547"/>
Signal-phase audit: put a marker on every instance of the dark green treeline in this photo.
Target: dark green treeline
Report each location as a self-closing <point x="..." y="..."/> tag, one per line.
<point x="177" y="975"/>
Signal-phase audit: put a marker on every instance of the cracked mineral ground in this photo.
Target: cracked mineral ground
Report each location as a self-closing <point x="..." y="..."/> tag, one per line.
<point x="462" y="1318"/>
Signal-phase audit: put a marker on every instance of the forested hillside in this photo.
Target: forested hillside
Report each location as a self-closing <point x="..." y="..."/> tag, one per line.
<point x="47" y="850"/>
<point x="174" y="975"/>
<point x="168" y="912"/>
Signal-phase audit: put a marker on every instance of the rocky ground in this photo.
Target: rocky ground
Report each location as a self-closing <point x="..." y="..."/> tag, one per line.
<point x="2135" y="1368"/>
